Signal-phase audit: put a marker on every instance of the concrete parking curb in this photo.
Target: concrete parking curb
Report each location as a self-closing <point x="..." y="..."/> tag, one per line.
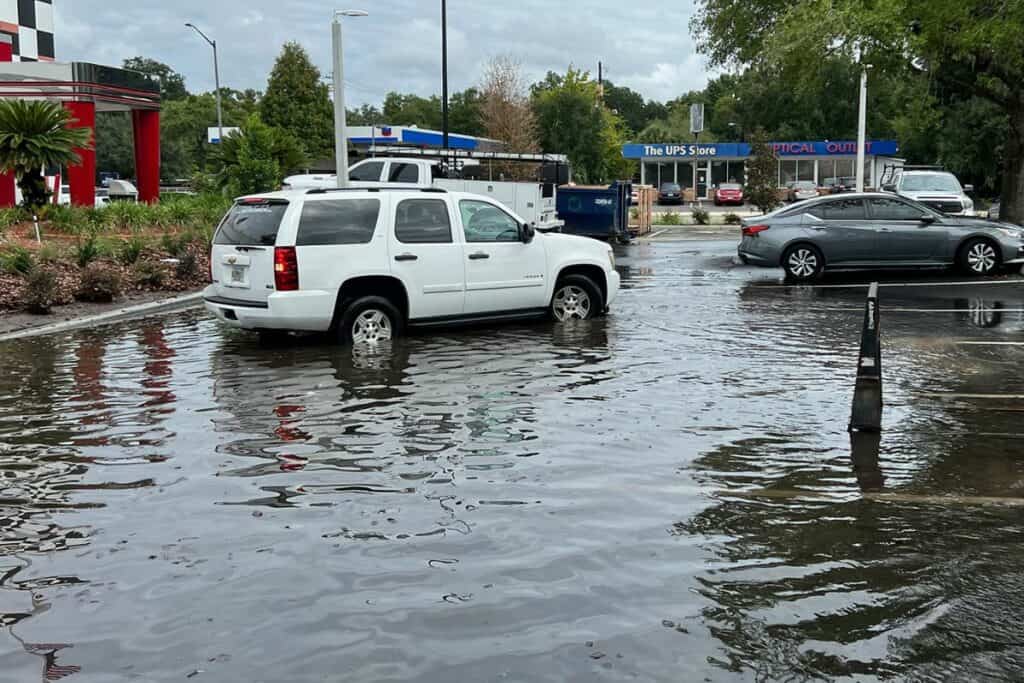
<point x="117" y="315"/>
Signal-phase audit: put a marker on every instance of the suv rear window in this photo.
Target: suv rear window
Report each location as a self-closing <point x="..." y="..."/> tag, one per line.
<point x="337" y="221"/>
<point x="252" y="222"/>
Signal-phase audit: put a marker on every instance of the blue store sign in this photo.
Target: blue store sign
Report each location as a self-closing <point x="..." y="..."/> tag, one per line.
<point x="710" y="150"/>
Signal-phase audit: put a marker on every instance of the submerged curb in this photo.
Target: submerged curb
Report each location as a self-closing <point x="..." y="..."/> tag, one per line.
<point x="117" y="315"/>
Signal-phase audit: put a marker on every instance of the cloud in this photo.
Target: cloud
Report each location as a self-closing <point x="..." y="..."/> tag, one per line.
<point x="646" y="46"/>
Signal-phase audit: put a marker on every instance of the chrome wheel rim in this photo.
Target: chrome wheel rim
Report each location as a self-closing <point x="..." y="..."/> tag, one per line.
<point x="571" y="303"/>
<point x="982" y="314"/>
<point x="981" y="258"/>
<point x="372" y="326"/>
<point x="803" y="263"/>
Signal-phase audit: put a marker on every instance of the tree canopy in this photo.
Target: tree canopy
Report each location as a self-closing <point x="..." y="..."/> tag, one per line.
<point x="297" y="100"/>
<point x="172" y="84"/>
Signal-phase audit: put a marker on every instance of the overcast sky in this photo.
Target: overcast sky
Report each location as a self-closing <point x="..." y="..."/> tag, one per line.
<point x="645" y="45"/>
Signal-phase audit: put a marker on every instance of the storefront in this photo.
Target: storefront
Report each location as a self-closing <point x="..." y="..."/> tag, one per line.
<point x="700" y="167"/>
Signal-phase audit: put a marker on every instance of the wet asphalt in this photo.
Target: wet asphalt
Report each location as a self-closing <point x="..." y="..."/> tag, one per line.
<point x="665" y="494"/>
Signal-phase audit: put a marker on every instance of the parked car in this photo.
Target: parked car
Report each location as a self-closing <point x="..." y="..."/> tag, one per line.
<point x="670" y="193"/>
<point x="875" y="230"/>
<point x="729" y="193"/>
<point x="840" y="185"/>
<point x="64" y="196"/>
<point x="366" y="263"/>
<point x="940" y="190"/>
<point x="802" y="189"/>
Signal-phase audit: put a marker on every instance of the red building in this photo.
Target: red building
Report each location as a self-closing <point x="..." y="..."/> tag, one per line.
<point x="86" y="89"/>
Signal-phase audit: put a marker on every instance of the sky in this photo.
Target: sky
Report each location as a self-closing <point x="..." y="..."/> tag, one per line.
<point x="645" y="45"/>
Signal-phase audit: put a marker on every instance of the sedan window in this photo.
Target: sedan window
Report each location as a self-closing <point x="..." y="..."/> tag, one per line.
<point x="840" y="210"/>
<point x="892" y="209"/>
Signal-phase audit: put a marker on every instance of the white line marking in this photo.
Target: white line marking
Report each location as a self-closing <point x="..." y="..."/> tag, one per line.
<point x="984" y="343"/>
<point x="939" y="394"/>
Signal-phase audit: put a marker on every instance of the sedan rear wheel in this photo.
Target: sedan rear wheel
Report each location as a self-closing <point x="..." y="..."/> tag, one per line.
<point x="980" y="257"/>
<point x="803" y="263"/>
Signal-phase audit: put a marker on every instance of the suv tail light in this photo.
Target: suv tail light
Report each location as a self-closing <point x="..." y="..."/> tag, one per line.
<point x="286" y="269"/>
<point x="752" y="230"/>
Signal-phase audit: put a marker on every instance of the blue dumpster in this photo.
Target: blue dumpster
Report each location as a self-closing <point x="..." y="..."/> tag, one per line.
<point x="596" y="211"/>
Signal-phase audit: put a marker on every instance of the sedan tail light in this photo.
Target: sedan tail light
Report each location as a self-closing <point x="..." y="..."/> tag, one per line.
<point x="286" y="269"/>
<point x="751" y="230"/>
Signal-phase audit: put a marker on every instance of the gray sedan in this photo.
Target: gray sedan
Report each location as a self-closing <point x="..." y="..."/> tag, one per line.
<point x="876" y="230"/>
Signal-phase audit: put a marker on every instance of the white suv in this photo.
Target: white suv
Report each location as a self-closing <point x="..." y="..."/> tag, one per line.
<point x="365" y="263"/>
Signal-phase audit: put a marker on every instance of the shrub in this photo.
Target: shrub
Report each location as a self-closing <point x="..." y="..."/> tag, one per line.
<point x="701" y="216"/>
<point x="175" y="245"/>
<point x="40" y="291"/>
<point x="148" y="274"/>
<point x="668" y="218"/>
<point x="87" y="251"/>
<point x="126" y="215"/>
<point x="732" y="219"/>
<point x="11" y="217"/>
<point x="17" y="261"/>
<point x="188" y="266"/>
<point x="131" y="249"/>
<point x="99" y="284"/>
<point x="48" y="253"/>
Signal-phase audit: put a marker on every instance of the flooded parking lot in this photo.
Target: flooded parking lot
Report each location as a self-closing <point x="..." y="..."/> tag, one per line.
<point x="668" y="494"/>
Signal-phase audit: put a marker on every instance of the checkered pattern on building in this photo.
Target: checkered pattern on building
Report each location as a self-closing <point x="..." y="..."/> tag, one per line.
<point x="29" y="23"/>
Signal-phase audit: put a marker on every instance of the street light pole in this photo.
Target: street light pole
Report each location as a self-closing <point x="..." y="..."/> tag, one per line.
<point x="340" y="134"/>
<point x="444" y="73"/>
<point x="862" y="117"/>
<point x="216" y="81"/>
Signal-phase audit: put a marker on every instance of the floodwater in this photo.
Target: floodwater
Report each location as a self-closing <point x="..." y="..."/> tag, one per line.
<point x="667" y="494"/>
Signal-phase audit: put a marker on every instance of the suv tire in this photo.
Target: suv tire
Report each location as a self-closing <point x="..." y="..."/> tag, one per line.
<point x="803" y="263"/>
<point x="370" y="320"/>
<point x="980" y="257"/>
<point x="576" y="297"/>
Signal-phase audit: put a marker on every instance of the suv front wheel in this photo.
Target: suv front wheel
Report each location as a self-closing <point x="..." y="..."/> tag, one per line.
<point x="370" y="320"/>
<point x="576" y="298"/>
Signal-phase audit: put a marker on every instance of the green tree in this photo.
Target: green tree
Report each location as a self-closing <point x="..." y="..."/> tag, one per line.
<point x="172" y="84"/>
<point x="572" y="121"/>
<point x="412" y="110"/>
<point x="968" y="48"/>
<point x="249" y="159"/>
<point x="114" y="147"/>
<point x="366" y="115"/>
<point x="673" y="128"/>
<point x="464" y="113"/>
<point x="628" y="104"/>
<point x="297" y="100"/>
<point x="34" y="135"/>
<point x="761" y="188"/>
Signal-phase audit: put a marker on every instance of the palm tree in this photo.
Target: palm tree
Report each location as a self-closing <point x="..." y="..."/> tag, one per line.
<point x="34" y="135"/>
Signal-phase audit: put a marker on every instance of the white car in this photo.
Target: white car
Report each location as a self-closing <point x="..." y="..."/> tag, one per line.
<point x="365" y="263"/>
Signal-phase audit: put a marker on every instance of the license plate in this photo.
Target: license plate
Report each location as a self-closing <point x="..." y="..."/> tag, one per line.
<point x="237" y="274"/>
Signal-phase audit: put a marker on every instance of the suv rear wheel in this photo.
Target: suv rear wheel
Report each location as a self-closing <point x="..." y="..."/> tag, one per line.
<point x="370" y="320"/>
<point x="576" y="298"/>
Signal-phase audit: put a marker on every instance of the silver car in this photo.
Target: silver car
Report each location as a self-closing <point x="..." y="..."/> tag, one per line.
<point x="875" y="230"/>
<point x="938" y="189"/>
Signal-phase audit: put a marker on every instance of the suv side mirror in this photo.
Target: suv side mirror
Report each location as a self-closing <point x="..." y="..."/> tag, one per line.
<point x="526" y="232"/>
<point x="889" y="187"/>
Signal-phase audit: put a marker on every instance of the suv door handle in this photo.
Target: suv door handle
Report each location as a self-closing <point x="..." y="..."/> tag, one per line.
<point x="406" y="257"/>
<point x="479" y="255"/>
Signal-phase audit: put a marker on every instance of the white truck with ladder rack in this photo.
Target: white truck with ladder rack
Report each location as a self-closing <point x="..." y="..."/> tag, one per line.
<point x="534" y="201"/>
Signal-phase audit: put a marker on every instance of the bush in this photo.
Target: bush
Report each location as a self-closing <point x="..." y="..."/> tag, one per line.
<point x="131" y="249"/>
<point x="175" y="245"/>
<point x="48" y="253"/>
<point x="17" y="261"/>
<point x="188" y="266"/>
<point x="99" y="285"/>
<point x="701" y="216"/>
<point x="732" y="219"/>
<point x="148" y="274"/>
<point x="126" y="216"/>
<point x="668" y="218"/>
<point x="87" y="251"/>
<point x="11" y="217"/>
<point x="40" y="291"/>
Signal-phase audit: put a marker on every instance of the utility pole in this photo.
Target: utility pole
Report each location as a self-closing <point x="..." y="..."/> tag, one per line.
<point x="216" y="81"/>
<point x="340" y="133"/>
<point x="600" y="80"/>
<point x="862" y="126"/>
<point x="444" y="72"/>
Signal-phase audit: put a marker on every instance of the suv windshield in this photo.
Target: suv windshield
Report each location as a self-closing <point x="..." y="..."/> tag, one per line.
<point x="930" y="182"/>
<point x="669" y="187"/>
<point x="252" y="222"/>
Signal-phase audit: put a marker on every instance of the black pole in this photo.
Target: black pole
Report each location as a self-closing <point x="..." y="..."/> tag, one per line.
<point x="444" y="71"/>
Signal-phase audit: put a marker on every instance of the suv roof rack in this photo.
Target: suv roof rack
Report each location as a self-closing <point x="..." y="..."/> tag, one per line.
<point x="933" y="167"/>
<point x="325" y="190"/>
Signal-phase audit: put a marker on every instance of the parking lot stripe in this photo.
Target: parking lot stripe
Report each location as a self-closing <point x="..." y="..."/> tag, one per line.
<point x="988" y="343"/>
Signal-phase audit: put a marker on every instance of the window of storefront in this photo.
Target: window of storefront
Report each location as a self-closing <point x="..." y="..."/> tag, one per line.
<point x="787" y="171"/>
<point x="805" y="169"/>
<point x="684" y="169"/>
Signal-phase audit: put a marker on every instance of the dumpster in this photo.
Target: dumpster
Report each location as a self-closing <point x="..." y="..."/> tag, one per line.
<point x="600" y="211"/>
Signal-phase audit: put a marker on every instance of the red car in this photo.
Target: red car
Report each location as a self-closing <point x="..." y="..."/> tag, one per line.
<point x="729" y="193"/>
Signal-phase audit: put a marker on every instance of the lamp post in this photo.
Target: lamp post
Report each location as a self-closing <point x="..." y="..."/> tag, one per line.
<point x="444" y="73"/>
<point x="340" y="137"/>
<point x="216" y="81"/>
<point x="862" y="117"/>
